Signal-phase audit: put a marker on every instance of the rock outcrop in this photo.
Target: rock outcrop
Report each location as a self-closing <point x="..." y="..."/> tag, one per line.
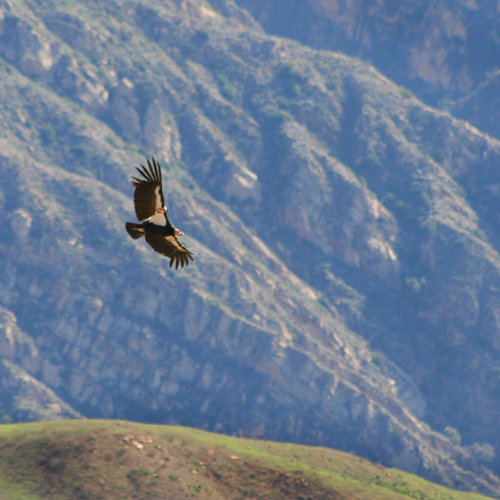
<point x="24" y="398"/>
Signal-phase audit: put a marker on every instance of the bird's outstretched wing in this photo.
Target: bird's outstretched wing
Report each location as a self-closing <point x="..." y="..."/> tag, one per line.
<point x="170" y="247"/>
<point x="148" y="194"/>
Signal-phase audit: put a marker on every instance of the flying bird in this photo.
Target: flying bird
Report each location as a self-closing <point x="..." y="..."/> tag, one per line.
<point x="152" y="214"/>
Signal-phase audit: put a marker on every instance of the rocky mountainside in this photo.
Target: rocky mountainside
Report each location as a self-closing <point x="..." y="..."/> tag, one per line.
<point x="346" y="287"/>
<point x="447" y="53"/>
<point x="437" y="48"/>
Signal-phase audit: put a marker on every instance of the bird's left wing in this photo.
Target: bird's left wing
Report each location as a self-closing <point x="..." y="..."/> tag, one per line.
<point x="170" y="247"/>
<point x="148" y="194"/>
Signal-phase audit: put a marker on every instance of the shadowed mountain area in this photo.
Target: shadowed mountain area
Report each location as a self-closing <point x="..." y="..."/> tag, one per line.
<point x="438" y="49"/>
<point x="345" y="290"/>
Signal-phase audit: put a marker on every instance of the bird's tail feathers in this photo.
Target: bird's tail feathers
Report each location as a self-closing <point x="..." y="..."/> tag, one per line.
<point x="135" y="230"/>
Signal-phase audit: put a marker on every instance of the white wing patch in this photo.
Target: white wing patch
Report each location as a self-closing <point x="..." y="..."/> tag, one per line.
<point x="158" y="197"/>
<point x="158" y="219"/>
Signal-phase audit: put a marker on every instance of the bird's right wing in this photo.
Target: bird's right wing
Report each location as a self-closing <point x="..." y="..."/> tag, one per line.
<point x="148" y="194"/>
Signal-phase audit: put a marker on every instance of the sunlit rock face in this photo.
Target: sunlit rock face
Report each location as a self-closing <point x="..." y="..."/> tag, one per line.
<point x="22" y="45"/>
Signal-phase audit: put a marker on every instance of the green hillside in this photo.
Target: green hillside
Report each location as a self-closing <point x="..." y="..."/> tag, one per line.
<point x="110" y="459"/>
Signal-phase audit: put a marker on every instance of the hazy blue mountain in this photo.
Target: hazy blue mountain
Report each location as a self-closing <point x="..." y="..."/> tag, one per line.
<point x="437" y="48"/>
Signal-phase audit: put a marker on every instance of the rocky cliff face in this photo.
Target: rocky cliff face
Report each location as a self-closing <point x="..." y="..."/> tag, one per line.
<point x="345" y="287"/>
<point x="24" y="397"/>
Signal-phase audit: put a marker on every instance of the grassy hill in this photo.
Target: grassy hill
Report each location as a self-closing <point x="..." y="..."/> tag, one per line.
<point x="110" y="459"/>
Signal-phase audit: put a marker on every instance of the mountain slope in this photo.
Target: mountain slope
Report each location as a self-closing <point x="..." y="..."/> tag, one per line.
<point x="437" y="49"/>
<point x="331" y="212"/>
<point x="116" y="459"/>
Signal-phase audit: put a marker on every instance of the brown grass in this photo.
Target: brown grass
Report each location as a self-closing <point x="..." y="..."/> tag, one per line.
<point x="115" y="460"/>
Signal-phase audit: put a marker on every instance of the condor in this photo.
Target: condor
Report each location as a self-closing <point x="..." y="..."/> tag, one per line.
<point x="152" y="214"/>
